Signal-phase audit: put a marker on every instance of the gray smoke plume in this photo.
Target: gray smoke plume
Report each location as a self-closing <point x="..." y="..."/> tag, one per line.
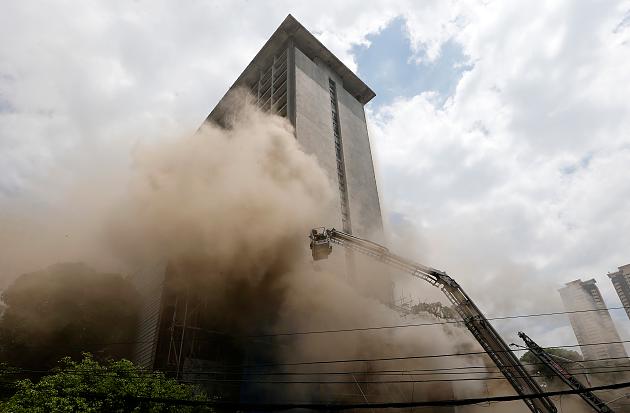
<point x="231" y="209"/>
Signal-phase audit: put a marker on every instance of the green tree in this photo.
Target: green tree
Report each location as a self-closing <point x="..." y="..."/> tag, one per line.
<point x="564" y="357"/>
<point x="8" y="377"/>
<point x="90" y="386"/>
<point x="64" y="310"/>
<point x="436" y="309"/>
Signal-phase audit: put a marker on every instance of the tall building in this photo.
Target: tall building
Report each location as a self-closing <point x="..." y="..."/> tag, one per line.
<point x="621" y="282"/>
<point x="296" y="77"/>
<point x="591" y="327"/>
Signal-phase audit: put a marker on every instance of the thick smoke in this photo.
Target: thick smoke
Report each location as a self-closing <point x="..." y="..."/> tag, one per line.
<point x="229" y="210"/>
<point x="240" y="199"/>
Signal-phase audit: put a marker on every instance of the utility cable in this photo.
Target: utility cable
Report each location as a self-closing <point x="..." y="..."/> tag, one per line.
<point x="344" y="330"/>
<point x="113" y="375"/>
<point x="463" y="370"/>
<point x="346" y="406"/>
<point x="430" y="356"/>
<point x="359" y="360"/>
<point x="509" y="317"/>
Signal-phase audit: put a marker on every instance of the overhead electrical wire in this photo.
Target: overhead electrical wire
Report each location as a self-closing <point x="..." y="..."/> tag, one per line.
<point x="359" y="360"/>
<point x="350" y="382"/>
<point x="113" y="375"/>
<point x="412" y="370"/>
<point x="407" y="372"/>
<point x="419" y="357"/>
<point x="616" y="368"/>
<point x="346" y="330"/>
<point x="249" y="406"/>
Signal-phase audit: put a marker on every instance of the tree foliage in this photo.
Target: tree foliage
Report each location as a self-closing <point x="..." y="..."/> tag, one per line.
<point x="8" y="376"/>
<point x="90" y="386"/>
<point x="64" y="310"/>
<point x="436" y="309"/>
<point x="564" y="357"/>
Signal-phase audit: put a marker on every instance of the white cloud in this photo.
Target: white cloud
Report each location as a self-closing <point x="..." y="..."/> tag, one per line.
<point x="520" y="180"/>
<point x="72" y="75"/>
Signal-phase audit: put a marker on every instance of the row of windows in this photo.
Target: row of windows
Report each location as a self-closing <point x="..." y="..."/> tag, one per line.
<point x="620" y="282"/>
<point x="270" y="91"/>
<point x="341" y="171"/>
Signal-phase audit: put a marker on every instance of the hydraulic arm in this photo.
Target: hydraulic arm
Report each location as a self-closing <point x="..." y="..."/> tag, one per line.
<point x="321" y="246"/>
<point x="595" y="402"/>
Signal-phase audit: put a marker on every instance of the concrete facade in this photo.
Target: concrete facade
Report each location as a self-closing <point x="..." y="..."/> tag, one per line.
<point x="150" y="286"/>
<point x="364" y="201"/>
<point x="305" y="69"/>
<point x="621" y="282"/>
<point x="324" y="101"/>
<point x="592" y="327"/>
<point x="291" y="76"/>
<point x="313" y="121"/>
<point x="313" y="129"/>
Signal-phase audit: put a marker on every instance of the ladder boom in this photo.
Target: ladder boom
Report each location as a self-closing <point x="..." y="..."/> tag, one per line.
<point x="473" y="318"/>
<point x="570" y="380"/>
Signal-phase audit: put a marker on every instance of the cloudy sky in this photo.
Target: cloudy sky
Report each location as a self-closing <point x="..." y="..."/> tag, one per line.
<point x="501" y="129"/>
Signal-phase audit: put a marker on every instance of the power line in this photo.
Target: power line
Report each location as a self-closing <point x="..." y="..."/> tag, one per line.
<point x="358" y="360"/>
<point x="419" y="372"/>
<point x="341" y="330"/>
<point x="406" y="372"/>
<point x="211" y="373"/>
<point x="346" y="330"/>
<point x="345" y="406"/>
<point x="400" y="358"/>
<point x="113" y="375"/>
<point x="410" y="371"/>
<point x="351" y="382"/>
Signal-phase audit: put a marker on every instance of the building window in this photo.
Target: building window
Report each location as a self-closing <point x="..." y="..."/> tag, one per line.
<point x="270" y="91"/>
<point x="341" y="169"/>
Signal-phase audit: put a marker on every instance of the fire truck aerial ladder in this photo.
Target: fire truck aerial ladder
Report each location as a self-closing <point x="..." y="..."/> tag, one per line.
<point x="595" y="402"/>
<point x="515" y="373"/>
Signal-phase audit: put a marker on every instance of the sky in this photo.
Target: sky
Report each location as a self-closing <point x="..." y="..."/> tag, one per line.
<point x="500" y="130"/>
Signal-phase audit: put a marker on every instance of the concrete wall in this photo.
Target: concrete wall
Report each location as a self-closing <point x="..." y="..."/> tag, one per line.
<point x="365" y="210"/>
<point x="150" y="285"/>
<point x="313" y="123"/>
<point x="314" y="132"/>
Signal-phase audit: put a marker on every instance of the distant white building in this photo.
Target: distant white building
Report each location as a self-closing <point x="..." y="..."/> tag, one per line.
<point x="621" y="282"/>
<point x="592" y="327"/>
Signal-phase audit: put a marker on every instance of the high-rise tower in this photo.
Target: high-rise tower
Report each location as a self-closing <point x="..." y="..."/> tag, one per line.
<point x="621" y="282"/>
<point x="296" y="77"/>
<point x="591" y="327"/>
